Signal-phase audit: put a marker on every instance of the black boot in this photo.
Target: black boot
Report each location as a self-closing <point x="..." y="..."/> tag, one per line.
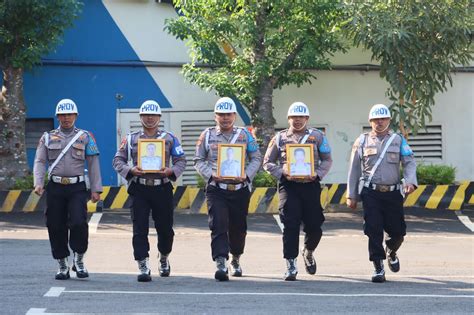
<point x="63" y="272"/>
<point x="165" y="267"/>
<point x="292" y="270"/>
<point x="78" y="266"/>
<point x="309" y="261"/>
<point x="145" y="272"/>
<point x="235" y="268"/>
<point x="379" y="272"/>
<point x="222" y="273"/>
<point x="393" y="261"/>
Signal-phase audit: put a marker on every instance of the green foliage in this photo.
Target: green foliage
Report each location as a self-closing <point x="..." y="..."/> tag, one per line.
<point x="30" y="29"/>
<point x="264" y="179"/>
<point x="418" y="44"/>
<point x="201" y="183"/>
<point x="249" y="45"/>
<point x="26" y="183"/>
<point x="435" y="174"/>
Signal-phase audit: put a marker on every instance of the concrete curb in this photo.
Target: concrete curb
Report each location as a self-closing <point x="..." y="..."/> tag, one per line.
<point x="263" y="200"/>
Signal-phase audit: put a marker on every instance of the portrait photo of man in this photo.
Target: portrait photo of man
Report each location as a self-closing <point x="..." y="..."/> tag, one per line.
<point x="230" y="167"/>
<point x="151" y="161"/>
<point x="300" y="166"/>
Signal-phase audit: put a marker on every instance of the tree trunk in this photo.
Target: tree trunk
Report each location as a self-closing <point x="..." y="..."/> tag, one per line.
<point x="401" y="102"/>
<point x="13" y="163"/>
<point x="401" y="123"/>
<point x="263" y="120"/>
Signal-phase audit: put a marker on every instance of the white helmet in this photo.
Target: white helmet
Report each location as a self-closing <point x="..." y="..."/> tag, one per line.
<point x="298" y="109"/>
<point x="66" y="106"/>
<point x="150" y="107"/>
<point x="225" y="105"/>
<point x="379" y="111"/>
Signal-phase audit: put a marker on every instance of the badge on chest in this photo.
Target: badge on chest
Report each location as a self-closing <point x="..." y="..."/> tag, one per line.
<point x="370" y="151"/>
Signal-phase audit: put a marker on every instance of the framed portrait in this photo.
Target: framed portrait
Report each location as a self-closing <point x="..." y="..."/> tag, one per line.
<point x="151" y="155"/>
<point x="300" y="160"/>
<point x="230" y="160"/>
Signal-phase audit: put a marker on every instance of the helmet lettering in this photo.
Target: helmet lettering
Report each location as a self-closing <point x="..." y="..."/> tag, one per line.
<point x="65" y="106"/>
<point x="224" y="106"/>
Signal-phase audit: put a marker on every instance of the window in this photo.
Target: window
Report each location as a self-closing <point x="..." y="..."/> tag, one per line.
<point x="34" y="129"/>
<point x="190" y="132"/>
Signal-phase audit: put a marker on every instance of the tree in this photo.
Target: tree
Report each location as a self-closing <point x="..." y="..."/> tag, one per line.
<point x="28" y="30"/>
<point x="253" y="47"/>
<point x="418" y="45"/>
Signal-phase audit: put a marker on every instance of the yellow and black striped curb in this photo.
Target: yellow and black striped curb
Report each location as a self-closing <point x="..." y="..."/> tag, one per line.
<point x="263" y="200"/>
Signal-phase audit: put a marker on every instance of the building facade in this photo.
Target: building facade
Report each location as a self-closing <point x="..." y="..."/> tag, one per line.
<point x="118" y="55"/>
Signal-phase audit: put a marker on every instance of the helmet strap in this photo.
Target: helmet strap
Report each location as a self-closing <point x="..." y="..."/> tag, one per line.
<point x="147" y="126"/>
<point x="385" y="129"/>
<point x="302" y="128"/>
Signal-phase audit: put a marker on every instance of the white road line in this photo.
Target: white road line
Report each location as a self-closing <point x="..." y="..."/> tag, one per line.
<point x="390" y="295"/>
<point x="94" y="222"/>
<point x="465" y="220"/>
<point x="277" y="218"/>
<point x="55" y="291"/>
<point x="34" y="311"/>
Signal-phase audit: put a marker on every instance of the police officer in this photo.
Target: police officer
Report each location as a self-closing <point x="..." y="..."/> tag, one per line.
<point x="66" y="149"/>
<point x="299" y="196"/>
<point x="151" y="190"/>
<point x="227" y="199"/>
<point x="374" y="178"/>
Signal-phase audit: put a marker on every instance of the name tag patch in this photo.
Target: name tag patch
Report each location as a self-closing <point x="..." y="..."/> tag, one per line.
<point x="370" y="151"/>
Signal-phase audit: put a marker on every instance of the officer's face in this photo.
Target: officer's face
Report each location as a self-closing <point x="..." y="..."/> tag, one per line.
<point x="380" y="124"/>
<point x="150" y="121"/>
<point x="297" y="122"/>
<point x="225" y="121"/>
<point x="67" y="120"/>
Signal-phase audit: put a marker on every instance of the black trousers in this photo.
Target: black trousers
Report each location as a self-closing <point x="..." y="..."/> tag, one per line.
<point x="227" y="220"/>
<point x="300" y="203"/>
<point x="158" y="199"/>
<point x="383" y="211"/>
<point x="66" y="218"/>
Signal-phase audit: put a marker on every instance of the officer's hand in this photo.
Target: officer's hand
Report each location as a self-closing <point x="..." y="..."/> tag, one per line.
<point x="95" y="196"/>
<point x="166" y="171"/>
<point x="409" y="189"/>
<point x="216" y="178"/>
<point x="237" y="180"/>
<point x="39" y="190"/>
<point x="136" y="171"/>
<point x="351" y="203"/>
<point x="241" y="179"/>
<point x="285" y="172"/>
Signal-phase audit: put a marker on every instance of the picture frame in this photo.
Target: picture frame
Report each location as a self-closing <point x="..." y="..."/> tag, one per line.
<point x="230" y="160"/>
<point x="151" y="155"/>
<point x="300" y="160"/>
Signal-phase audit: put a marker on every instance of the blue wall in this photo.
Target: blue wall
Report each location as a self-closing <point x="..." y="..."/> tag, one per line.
<point x="94" y="38"/>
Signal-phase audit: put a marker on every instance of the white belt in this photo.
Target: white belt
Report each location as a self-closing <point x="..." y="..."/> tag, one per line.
<point x="150" y="182"/>
<point x="384" y="188"/>
<point x="67" y="180"/>
<point x="230" y="187"/>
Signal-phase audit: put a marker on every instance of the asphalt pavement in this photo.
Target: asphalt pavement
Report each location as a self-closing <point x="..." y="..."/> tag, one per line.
<point x="437" y="270"/>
